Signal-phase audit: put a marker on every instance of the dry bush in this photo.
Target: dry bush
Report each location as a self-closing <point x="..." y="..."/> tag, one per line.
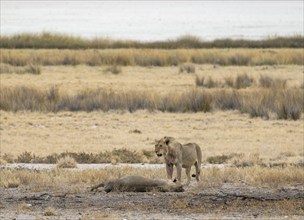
<point x="199" y="81"/>
<point x="66" y="162"/>
<point x="209" y="83"/>
<point x="50" y="211"/>
<point x="9" y="158"/>
<point x="24" y="207"/>
<point x="179" y="204"/>
<point x="31" y="69"/>
<point x="218" y="159"/>
<point x="268" y="82"/>
<point x="12" y="183"/>
<point x="2" y="161"/>
<point x="114" y="69"/>
<point x="100" y="215"/>
<point x="249" y="160"/>
<point x="187" y="68"/>
<point x="25" y="157"/>
<point x="229" y="81"/>
<point x="121" y="155"/>
<point x="243" y="81"/>
<point x="238" y="59"/>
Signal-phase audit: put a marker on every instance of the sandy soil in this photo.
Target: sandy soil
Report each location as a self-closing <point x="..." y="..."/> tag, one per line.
<point x="230" y="201"/>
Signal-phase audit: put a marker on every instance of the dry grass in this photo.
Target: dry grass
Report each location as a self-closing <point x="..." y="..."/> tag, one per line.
<point x="113" y="69"/>
<point x="75" y="180"/>
<point x="101" y="215"/>
<point x="66" y="162"/>
<point x="61" y="41"/>
<point x="31" y="69"/>
<point x="242" y="81"/>
<point x="152" y="57"/>
<point x="42" y="125"/>
<point x="187" y="68"/>
<point x="265" y="103"/>
<point x="50" y="211"/>
<point x="70" y="159"/>
<point x="105" y="135"/>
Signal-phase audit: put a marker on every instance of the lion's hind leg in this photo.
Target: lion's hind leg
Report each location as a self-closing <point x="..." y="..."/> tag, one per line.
<point x="197" y="171"/>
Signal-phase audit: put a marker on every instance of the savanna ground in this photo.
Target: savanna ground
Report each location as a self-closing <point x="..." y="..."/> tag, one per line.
<point x="244" y="110"/>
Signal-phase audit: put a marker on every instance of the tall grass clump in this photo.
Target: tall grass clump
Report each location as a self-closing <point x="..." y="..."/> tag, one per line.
<point x="114" y="69"/>
<point x="268" y="82"/>
<point x="243" y="81"/>
<point x="66" y="162"/>
<point x="274" y="104"/>
<point x="227" y="100"/>
<point x="187" y="68"/>
<point x="208" y="83"/>
<point x="268" y="103"/>
<point x="30" y="69"/>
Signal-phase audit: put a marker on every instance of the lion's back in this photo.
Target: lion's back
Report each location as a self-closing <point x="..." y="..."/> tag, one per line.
<point x="191" y="153"/>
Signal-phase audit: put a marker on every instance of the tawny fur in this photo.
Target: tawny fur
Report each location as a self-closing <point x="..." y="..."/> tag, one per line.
<point x="135" y="183"/>
<point x="181" y="156"/>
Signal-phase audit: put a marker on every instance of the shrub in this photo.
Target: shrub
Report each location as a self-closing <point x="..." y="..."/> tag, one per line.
<point x="239" y="59"/>
<point x="195" y="101"/>
<point x="209" y="83"/>
<point x="268" y="82"/>
<point x="126" y="156"/>
<point x="199" y="81"/>
<point x="229" y="81"/>
<point x="66" y="162"/>
<point x="226" y="100"/>
<point x="115" y="69"/>
<point x="49" y="211"/>
<point x="187" y="68"/>
<point x="243" y="81"/>
<point x="31" y="69"/>
<point x="218" y="159"/>
<point x="25" y="157"/>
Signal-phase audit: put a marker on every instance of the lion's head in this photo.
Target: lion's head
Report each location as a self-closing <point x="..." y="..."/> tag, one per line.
<point x="161" y="146"/>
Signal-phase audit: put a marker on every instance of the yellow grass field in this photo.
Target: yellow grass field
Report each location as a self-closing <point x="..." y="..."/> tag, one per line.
<point x="157" y="79"/>
<point x="263" y="172"/>
<point x="217" y="132"/>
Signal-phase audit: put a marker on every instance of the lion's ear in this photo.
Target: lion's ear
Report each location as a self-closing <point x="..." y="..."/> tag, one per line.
<point x="167" y="140"/>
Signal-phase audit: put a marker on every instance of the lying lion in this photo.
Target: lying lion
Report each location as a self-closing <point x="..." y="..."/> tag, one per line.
<point x="182" y="156"/>
<point x="138" y="184"/>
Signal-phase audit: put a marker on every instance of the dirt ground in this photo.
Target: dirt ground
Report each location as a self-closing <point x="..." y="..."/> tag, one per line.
<point x="230" y="201"/>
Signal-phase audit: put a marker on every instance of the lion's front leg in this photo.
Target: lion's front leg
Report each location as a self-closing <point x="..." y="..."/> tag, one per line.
<point x="179" y="172"/>
<point x="169" y="168"/>
<point x="188" y="170"/>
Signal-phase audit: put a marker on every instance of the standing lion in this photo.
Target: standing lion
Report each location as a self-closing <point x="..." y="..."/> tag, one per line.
<point x="182" y="156"/>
